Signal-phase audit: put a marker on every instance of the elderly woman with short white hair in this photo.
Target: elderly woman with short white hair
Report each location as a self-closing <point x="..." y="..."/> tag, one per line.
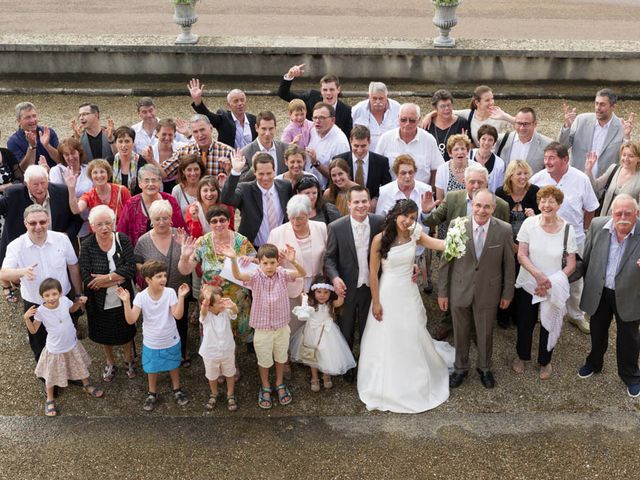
<point x="107" y="262"/>
<point x="309" y="239"/>
<point x="160" y="244"/>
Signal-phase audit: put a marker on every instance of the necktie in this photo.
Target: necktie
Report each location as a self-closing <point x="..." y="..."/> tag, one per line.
<point x="479" y="241"/>
<point x="204" y="159"/>
<point x="360" y="172"/>
<point x="272" y="215"/>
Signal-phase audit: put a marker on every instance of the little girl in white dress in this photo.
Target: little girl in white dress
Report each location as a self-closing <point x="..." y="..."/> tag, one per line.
<point x="320" y="344"/>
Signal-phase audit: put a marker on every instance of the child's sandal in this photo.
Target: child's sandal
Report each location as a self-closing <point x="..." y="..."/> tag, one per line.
<point x="285" y="397"/>
<point x="265" y="402"/>
<point x="50" y="408"/>
<point x="10" y="294"/>
<point x="232" y="404"/>
<point x="328" y="383"/>
<point x="211" y="403"/>
<point x="94" y="391"/>
<point x="315" y="386"/>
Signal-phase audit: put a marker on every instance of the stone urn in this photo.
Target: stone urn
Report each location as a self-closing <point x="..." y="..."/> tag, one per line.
<point x="185" y="15"/>
<point x="445" y="19"/>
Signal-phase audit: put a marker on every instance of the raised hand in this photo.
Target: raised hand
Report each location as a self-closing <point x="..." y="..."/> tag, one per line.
<point x="570" y="115"/>
<point x="226" y="250"/>
<point x="297" y="138"/>
<point x="296" y="71"/>
<point x="183" y="290"/>
<point x="183" y="127"/>
<point x="111" y="127"/>
<point x="427" y="202"/>
<point x="289" y="253"/>
<point x="592" y="158"/>
<point x="42" y="161"/>
<point x="246" y="260"/>
<point x="45" y="136"/>
<point x="195" y="90"/>
<point x="29" y="272"/>
<point x="222" y="178"/>
<point x="123" y="294"/>
<point x="77" y="131"/>
<point x="31" y="138"/>
<point x="70" y="178"/>
<point x="188" y="246"/>
<point x="147" y="154"/>
<point x="238" y="161"/>
<point x="497" y="113"/>
<point x="627" y="125"/>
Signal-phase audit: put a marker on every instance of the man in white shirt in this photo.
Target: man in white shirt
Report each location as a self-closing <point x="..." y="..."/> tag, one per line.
<point x="577" y="209"/>
<point x="327" y="141"/>
<point x="378" y="113"/>
<point x="409" y="139"/>
<point x="526" y="144"/>
<point x="35" y="256"/>
<point x="601" y="132"/>
<point x="146" y="128"/>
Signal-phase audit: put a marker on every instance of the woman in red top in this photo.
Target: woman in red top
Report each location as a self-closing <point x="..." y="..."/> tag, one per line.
<point x="103" y="193"/>
<point x="208" y="195"/>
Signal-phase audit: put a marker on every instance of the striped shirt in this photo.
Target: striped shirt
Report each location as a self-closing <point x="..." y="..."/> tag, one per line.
<point x="216" y="160"/>
<point x="270" y="308"/>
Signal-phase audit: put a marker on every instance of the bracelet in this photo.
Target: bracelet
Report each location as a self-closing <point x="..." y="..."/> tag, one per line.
<point x="32" y="147"/>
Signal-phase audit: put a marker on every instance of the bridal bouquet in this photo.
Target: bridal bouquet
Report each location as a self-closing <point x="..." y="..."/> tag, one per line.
<point x="454" y="243"/>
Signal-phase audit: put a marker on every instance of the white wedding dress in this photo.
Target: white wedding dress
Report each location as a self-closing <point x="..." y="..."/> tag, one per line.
<point x="401" y="368"/>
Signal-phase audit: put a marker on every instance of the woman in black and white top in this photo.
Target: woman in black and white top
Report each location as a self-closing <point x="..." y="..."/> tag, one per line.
<point x="190" y="171"/>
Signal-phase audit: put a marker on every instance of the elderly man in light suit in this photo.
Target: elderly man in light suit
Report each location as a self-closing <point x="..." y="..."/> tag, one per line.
<point x="601" y="132"/>
<point x="526" y="144"/>
<point x="612" y="262"/>
<point x="476" y="284"/>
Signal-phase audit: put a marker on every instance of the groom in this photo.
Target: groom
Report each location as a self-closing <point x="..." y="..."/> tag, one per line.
<point x="473" y="286"/>
<point x="347" y="263"/>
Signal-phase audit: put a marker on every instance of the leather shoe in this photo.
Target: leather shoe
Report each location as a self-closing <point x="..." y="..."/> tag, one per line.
<point x="350" y="376"/>
<point x="487" y="379"/>
<point x="441" y="333"/>
<point x="456" y="379"/>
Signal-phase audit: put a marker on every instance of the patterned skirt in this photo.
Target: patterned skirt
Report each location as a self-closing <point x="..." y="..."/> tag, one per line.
<point x="59" y="368"/>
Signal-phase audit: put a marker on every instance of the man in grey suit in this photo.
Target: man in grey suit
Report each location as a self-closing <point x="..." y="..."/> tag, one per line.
<point x="347" y="263"/>
<point x="612" y="263"/>
<point x="266" y="129"/>
<point x="476" y="284"/>
<point x="526" y="144"/>
<point x="601" y="132"/>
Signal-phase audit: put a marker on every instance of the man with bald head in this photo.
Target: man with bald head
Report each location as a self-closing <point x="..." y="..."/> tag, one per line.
<point x="235" y="126"/>
<point x="411" y="140"/>
<point x="612" y="272"/>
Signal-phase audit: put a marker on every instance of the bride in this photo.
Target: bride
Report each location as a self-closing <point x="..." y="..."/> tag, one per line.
<point x="401" y="369"/>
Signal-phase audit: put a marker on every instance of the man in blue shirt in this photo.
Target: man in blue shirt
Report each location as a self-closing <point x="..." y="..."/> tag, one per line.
<point x="32" y="141"/>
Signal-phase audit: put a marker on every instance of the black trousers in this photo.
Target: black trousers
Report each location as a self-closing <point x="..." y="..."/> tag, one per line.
<point x="627" y="339"/>
<point x="527" y="316"/>
<point x="354" y="311"/>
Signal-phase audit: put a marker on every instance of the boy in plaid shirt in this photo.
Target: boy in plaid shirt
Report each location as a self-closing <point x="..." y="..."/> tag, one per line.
<point x="270" y="313"/>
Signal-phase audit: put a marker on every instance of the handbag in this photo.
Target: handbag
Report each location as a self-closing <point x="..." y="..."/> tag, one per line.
<point x="578" y="273"/>
<point x="308" y="353"/>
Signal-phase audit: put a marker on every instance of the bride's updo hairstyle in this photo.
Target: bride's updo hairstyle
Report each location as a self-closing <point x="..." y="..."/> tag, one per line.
<point x="390" y="230"/>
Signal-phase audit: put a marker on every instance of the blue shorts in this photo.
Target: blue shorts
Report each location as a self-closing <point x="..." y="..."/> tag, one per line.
<point x="161" y="360"/>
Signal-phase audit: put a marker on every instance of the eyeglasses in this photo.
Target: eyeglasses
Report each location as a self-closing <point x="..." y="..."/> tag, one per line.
<point x="33" y="223"/>
<point x="523" y="124"/>
<point x="103" y="224"/>
<point x="408" y="120"/>
<point x="402" y="173"/>
<point x="216" y="221"/>
<point x="320" y="118"/>
<point x="149" y="181"/>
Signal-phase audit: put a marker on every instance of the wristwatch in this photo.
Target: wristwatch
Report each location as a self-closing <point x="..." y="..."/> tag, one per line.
<point x="32" y="147"/>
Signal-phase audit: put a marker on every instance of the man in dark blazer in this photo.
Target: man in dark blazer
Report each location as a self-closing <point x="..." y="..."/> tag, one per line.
<point x="347" y="263"/>
<point x="36" y="189"/>
<point x="375" y="168"/>
<point x="328" y="93"/>
<point x="262" y="202"/>
<point x="612" y="262"/>
<point x="266" y="142"/>
<point x="235" y="127"/>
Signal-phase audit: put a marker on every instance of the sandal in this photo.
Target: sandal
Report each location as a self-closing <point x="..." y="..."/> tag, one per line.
<point x="109" y="373"/>
<point x="211" y="403"/>
<point x="315" y="386"/>
<point x="265" y="402"/>
<point x="285" y="397"/>
<point x="150" y="402"/>
<point x="181" y="397"/>
<point x="131" y="370"/>
<point x="328" y="383"/>
<point x="232" y="405"/>
<point x="94" y="391"/>
<point x="10" y="294"/>
<point x="50" y="408"/>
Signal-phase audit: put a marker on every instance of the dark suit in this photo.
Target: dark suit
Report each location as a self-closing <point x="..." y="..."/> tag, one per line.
<point x="341" y="260"/>
<point x="16" y="199"/>
<point x="224" y="123"/>
<point x="602" y="303"/>
<point x="247" y="196"/>
<point x="377" y="172"/>
<point x="310" y="98"/>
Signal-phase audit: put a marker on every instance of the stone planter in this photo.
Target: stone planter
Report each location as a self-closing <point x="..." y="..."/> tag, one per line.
<point x="185" y="15"/>
<point x="445" y="19"/>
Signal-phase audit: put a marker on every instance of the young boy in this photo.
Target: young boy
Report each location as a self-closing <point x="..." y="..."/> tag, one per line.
<point x="218" y="347"/>
<point x="160" y="339"/>
<point x="299" y="129"/>
<point x="270" y="313"/>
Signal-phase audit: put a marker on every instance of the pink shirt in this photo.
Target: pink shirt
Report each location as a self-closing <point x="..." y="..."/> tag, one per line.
<point x="291" y="130"/>
<point x="270" y="308"/>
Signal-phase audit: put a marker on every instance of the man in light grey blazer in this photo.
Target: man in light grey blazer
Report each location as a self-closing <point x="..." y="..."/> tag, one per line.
<point x="476" y="284"/>
<point x="526" y="143"/>
<point x="601" y="132"/>
<point x="266" y="129"/>
<point x="612" y="262"/>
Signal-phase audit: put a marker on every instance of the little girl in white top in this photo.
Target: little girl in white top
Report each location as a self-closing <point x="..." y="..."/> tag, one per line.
<point x="63" y="357"/>
<point x="332" y="353"/>
<point x="218" y="349"/>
